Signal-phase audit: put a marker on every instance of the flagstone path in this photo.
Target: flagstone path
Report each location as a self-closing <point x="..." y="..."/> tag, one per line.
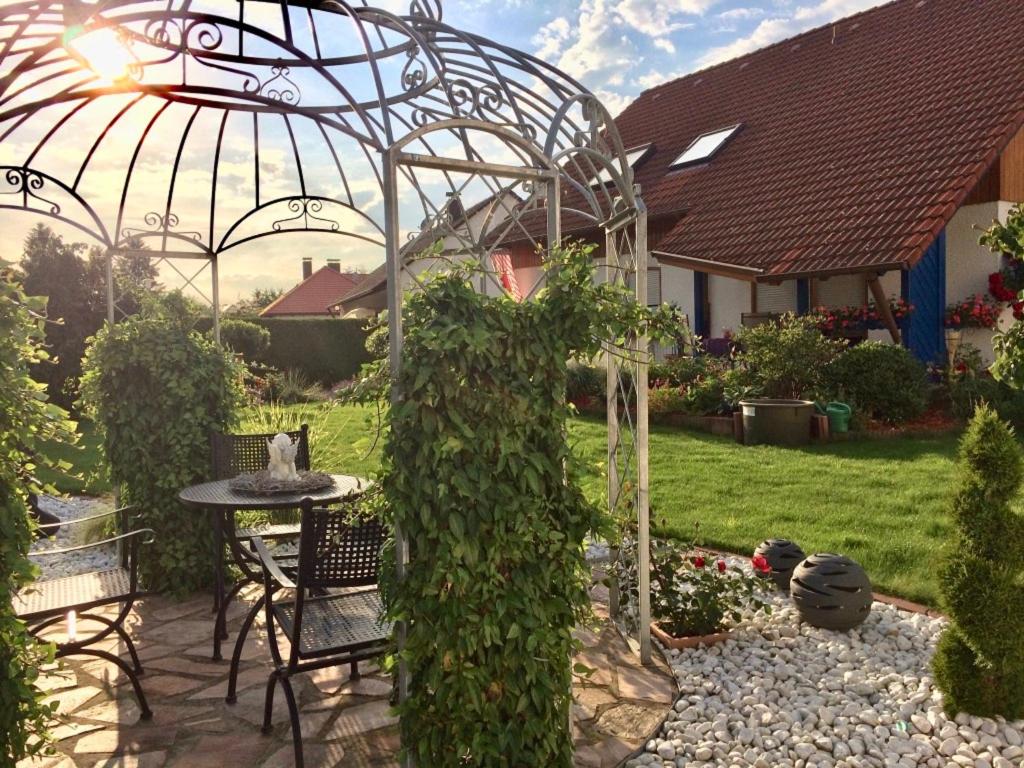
<point x="345" y="722"/>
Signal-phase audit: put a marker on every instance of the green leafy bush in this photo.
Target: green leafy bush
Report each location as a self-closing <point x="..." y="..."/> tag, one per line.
<point x="584" y="383"/>
<point x="325" y="350"/>
<point x="662" y="400"/>
<point x="787" y="358"/>
<point x="966" y="393"/>
<point x="679" y="371"/>
<point x="249" y="340"/>
<point x="479" y="477"/>
<point x="156" y="390"/>
<point x="26" y="421"/>
<point x="979" y="662"/>
<point x="884" y="380"/>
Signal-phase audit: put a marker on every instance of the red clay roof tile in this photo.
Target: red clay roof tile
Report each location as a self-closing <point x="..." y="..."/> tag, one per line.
<point x="314" y="295"/>
<point x="853" y="153"/>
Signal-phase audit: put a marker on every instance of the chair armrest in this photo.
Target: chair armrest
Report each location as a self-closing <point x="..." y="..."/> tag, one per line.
<point x="270" y="565"/>
<point x="111" y="540"/>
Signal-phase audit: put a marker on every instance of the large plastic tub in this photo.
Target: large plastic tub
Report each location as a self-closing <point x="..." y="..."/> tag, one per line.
<point x="776" y="422"/>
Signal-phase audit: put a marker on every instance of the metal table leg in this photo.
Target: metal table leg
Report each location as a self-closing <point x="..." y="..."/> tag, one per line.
<point x="219" y="630"/>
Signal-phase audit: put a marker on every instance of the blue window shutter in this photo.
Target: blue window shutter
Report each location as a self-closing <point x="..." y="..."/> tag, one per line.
<point x="701" y="324"/>
<point x="924" y="286"/>
<point x="803" y="296"/>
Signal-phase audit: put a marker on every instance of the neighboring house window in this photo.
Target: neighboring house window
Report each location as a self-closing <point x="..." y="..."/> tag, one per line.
<point x="633" y="158"/>
<point x="776" y="299"/>
<point x="654" y="287"/>
<point x="842" y="291"/>
<point x="705" y="146"/>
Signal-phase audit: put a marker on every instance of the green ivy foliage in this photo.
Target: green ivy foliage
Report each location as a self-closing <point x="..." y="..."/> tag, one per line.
<point x="979" y="662"/>
<point x="156" y="390"/>
<point x="480" y="478"/>
<point x="26" y="420"/>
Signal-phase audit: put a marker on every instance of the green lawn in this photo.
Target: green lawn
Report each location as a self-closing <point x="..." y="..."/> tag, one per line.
<point x="881" y="501"/>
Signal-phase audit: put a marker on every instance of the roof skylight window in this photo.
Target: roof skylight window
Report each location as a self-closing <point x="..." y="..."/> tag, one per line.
<point x="633" y="157"/>
<point x="705" y="146"/>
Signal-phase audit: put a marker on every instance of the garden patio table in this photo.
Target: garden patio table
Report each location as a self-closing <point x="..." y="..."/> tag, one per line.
<point x="222" y="502"/>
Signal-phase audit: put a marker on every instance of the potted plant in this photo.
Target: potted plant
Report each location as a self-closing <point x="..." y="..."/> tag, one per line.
<point x="697" y="597"/>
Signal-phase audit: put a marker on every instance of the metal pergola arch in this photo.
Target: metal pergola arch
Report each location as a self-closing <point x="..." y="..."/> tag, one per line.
<point x="283" y="116"/>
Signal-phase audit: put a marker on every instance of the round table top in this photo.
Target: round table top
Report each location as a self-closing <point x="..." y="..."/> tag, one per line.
<point x="218" y="494"/>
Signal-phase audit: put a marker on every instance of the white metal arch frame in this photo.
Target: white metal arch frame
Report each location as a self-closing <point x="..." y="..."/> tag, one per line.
<point x="231" y="121"/>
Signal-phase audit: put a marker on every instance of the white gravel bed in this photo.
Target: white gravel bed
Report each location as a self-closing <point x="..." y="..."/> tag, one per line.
<point x="782" y="693"/>
<point x="82" y="561"/>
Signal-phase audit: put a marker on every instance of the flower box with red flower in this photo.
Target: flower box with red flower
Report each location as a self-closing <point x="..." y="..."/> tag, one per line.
<point x="977" y="311"/>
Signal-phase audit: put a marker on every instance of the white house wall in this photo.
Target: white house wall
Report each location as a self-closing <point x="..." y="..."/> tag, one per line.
<point x="729" y="300"/>
<point x="969" y="264"/>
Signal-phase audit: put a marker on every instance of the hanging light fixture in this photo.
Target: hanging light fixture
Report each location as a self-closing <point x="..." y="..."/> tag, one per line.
<point x="102" y="47"/>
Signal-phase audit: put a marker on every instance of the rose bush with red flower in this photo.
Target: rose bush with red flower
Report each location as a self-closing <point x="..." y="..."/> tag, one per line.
<point x="688" y="598"/>
<point x="760" y="563"/>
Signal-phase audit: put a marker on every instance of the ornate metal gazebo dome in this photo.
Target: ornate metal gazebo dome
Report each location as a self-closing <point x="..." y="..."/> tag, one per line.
<point x="185" y="129"/>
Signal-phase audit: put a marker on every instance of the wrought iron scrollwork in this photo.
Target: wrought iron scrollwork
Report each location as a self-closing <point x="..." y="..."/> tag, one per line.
<point x="160" y="224"/>
<point x="305" y="210"/>
<point x="414" y="73"/>
<point x="280" y="87"/>
<point x="28" y="183"/>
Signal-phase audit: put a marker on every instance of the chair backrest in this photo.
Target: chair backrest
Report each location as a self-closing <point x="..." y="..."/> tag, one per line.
<point x="337" y="551"/>
<point x="233" y="455"/>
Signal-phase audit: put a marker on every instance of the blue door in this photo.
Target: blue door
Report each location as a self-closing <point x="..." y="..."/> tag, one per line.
<point x="924" y="287"/>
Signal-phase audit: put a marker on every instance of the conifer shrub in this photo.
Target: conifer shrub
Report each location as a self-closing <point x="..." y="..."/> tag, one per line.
<point x="979" y="662"/>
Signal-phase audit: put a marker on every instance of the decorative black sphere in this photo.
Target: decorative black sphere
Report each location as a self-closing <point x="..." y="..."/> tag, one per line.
<point x="831" y="591"/>
<point x="783" y="556"/>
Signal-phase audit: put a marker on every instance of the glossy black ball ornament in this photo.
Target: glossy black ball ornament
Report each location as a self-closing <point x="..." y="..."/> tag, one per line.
<point x="831" y="591"/>
<point x="783" y="556"/>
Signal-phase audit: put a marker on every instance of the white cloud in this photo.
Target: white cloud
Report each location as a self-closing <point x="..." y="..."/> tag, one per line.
<point x="781" y="26"/>
<point x="657" y="77"/>
<point x="661" y="17"/>
<point x="741" y="14"/>
<point x="829" y="10"/>
<point x="551" y="38"/>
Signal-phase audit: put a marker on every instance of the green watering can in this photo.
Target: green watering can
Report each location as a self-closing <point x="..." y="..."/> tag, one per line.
<point x="839" y="415"/>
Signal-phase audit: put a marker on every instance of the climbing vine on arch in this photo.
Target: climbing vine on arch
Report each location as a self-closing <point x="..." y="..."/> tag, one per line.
<point x="480" y="478"/>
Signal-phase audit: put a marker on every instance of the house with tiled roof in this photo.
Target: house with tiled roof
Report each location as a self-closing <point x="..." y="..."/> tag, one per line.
<point x="316" y="294"/>
<point x="854" y="162"/>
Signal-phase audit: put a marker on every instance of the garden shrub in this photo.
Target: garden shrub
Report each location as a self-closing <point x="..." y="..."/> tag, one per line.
<point x="584" y="383"/>
<point x="247" y="339"/>
<point x="979" y="662"/>
<point x="883" y="380"/>
<point x="479" y="476"/>
<point x="26" y="421"/>
<point x="324" y="349"/>
<point x="677" y="371"/>
<point x="787" y="358"/>
<point x="156" y="390"/>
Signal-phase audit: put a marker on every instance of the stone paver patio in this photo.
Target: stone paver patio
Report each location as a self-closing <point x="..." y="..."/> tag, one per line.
<point x="345" y="723"/>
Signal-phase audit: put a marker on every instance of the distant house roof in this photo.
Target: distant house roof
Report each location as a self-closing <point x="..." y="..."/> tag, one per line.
<point x="857" y="141"/>
<point x="314" y="295"/>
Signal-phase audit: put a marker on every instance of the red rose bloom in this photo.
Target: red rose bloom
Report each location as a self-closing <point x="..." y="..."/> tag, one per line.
<point x="721" y="566"/>
<point x="699" y="561"/>
<point x="760" y="563"/>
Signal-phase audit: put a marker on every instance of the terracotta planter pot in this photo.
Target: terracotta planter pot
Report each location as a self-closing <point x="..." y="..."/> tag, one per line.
<point x="691" y="641"/>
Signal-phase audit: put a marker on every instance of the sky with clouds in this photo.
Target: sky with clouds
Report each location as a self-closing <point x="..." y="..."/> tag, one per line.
<point x="616" y="48"/>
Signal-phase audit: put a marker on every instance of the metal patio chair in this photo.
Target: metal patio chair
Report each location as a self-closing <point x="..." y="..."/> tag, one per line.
<point x="324" y="629"/>
<point x="45" y="603"/>
<point x="231" y="456"/>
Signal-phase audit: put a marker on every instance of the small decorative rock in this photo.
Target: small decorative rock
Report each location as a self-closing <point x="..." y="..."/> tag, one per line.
<point x="783" y="556"/>
<point x="785" y="694"/>
<point x="831" y="591"/>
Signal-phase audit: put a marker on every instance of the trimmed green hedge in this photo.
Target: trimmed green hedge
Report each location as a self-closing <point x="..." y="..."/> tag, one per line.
<point x="325" y="349"/>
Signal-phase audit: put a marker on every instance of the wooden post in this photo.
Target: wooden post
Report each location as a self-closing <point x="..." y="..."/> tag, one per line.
<point x="884" y="310"/>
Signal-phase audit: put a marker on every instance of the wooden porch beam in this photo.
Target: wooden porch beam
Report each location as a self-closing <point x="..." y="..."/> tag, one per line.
<point x="884" y="310"/>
